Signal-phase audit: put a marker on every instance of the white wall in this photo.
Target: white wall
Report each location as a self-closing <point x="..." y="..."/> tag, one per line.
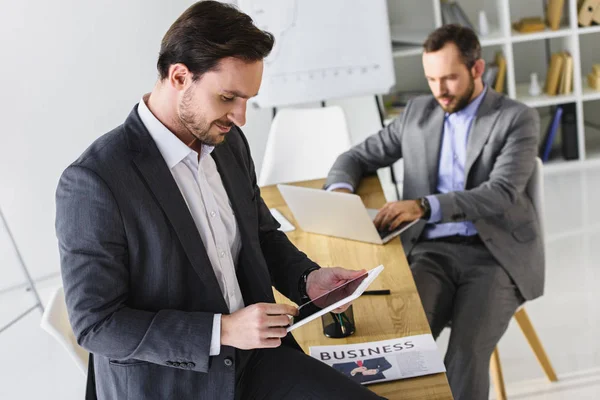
<point x="71" y="71"/>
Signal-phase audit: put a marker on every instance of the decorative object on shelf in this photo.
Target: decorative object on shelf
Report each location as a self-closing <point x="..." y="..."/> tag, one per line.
<point x="529" y="25"/>
<point x="501" y="79"/>
<point x="484" y="26"/>
<point x="452" y="13"/>
<point x="534" y="85"/>
<point x="554" y="74"/>
<point x="596" y="16"/>
<point x="588" y="12"/>
<point x="554" y="13"/>
<point x="594" y="77"/>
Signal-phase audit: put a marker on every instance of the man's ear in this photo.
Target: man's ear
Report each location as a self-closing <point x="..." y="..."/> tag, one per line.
<point x="478" y="68"/>
<point x="179" y="76"/>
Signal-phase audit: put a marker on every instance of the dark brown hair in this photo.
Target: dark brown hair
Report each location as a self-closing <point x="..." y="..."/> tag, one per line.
<point x="207" y="32"/>
<point x="464" y="38"/>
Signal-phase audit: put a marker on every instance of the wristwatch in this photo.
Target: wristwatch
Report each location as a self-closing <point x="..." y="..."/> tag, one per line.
<point x="302" y="284"/>
<point x="424" y="203"/>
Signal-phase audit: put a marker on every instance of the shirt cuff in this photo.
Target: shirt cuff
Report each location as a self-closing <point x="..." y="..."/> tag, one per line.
<point x="215" y="341"/>
<point x="436" y="211"/>
<point x="340" y="185"/>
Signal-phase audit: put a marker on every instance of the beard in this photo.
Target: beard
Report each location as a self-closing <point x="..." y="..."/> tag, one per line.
<point x="461" y="101"/>
<point x="196" y="125"/>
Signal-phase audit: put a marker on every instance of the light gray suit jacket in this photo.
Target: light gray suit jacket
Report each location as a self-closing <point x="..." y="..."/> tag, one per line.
<point x="140" y="290"/>
<point x="501" y="151"/>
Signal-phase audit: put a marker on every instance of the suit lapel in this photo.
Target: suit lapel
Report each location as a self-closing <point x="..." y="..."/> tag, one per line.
<point x="481" y="128"/>
<point x="237" y="188"/>
<point x="240" y="193"/>
<point x="155" y="172"/>
<point x="432" y="126"/>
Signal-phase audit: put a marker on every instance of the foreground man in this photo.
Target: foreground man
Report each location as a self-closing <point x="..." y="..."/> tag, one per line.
<point x="168" y="252"/>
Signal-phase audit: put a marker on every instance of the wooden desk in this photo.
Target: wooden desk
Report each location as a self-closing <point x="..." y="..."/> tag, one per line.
<point x="376" y="317"/>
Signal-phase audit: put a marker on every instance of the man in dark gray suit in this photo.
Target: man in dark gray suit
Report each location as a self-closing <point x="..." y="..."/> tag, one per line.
<point x="476" y="254"/>
<point x="168" y="252"/>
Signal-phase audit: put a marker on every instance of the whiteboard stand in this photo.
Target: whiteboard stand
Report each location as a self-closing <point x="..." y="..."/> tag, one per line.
<point x="31" y="287"/>
<point x="382" y="120"/>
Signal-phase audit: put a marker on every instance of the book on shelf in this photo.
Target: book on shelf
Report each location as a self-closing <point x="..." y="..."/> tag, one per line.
<point x="546" y="144"/>
<point x="554" y="74"/>
<point x="594" y="77"/>
<point x="501" y="77"/>
<point x="585" y="16"/>
<point x="452" y="13"/>
<point x="554" y="13"/>
<point x="529" y="25"/>
<point x="566" y="82"/>
<point x="570" y="143"/>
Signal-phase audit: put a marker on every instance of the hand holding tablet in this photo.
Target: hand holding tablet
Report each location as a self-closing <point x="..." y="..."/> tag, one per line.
<point x="334" y="299"/>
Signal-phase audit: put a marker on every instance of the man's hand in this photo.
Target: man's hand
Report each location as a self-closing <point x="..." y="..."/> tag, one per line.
<point x="257" y="326"/>
<point x="323" y="280"/>
<point x="393" y="214"/>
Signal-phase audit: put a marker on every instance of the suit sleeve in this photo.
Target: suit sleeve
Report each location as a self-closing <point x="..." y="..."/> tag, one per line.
<point x="377" y="151"/>
<point x="95" y="271"/>
<point x="511" y="172"/>
<point x="285" y="262"/>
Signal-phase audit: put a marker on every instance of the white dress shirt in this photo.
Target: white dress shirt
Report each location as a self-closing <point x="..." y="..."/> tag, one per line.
<point x="202" y="188"/>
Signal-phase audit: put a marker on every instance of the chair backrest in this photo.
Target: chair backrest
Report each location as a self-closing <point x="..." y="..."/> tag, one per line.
<point x="535" y="191"/>
<point x="55" y="321"/>
<point x="303" y="144"/>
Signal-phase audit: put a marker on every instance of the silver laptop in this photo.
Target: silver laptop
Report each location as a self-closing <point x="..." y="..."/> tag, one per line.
<point x="336" y="214"/>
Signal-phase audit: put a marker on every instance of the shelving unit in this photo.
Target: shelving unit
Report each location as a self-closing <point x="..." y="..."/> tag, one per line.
<point x="518" y="49"/>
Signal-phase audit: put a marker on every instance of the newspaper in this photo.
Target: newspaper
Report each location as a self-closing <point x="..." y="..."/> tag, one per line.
<point x="382" y="361"/>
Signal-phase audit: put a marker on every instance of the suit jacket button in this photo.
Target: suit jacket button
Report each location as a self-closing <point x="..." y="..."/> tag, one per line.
<point x="176" y="364"/>
<point x="228" y="362"/>
<point x="413" y="240"/>
<point x="169" y="363"/>
<point x="191" y="365"/>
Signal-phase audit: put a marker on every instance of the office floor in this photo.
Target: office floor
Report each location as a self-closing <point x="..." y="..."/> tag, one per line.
<point x="567" y="318"/>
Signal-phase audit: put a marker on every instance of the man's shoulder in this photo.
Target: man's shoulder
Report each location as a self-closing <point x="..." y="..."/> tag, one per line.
<point x="506" y="104"/>
<point x="104" y="151"/>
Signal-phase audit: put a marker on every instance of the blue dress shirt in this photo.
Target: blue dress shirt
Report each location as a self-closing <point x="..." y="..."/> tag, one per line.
<point x="451" y="171"/>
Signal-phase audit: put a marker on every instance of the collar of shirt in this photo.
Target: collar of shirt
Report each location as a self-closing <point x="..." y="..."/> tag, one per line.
<point x="470" y="110"/>
<point x="171" y="148"/>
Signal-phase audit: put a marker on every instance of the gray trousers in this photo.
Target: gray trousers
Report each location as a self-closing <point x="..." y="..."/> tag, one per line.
<point x="464" y="286"/>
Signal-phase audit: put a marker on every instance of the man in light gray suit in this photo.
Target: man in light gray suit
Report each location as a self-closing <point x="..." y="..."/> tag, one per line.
<point x="168" y="252"/>
<point x="476" y="254"/>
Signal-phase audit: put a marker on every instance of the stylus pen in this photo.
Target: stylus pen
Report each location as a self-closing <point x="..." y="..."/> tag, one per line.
<point x="376" y="292"/>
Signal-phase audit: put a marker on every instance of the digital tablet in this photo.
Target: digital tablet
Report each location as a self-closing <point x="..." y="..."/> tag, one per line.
<point x="335" y="298"/>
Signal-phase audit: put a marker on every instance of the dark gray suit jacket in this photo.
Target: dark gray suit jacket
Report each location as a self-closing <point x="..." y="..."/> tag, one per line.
<point x="501" y="151"/>
<point x="140" y="289"/>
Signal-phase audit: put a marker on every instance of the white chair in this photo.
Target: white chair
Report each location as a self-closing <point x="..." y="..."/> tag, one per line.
<point x="55" y="321"/>
<point x="535" y="191"/>
<point x="303" y="144"/>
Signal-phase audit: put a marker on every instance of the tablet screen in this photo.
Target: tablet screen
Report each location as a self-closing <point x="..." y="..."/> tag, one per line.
<point x="329" y="298"/>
